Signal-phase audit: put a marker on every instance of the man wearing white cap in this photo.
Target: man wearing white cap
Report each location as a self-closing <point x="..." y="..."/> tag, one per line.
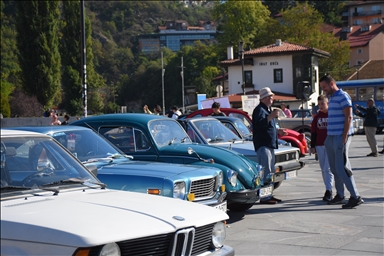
<point x="265" y="137"/>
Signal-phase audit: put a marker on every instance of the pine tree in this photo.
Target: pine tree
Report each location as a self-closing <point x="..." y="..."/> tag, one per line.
<point x="38" y="46"/>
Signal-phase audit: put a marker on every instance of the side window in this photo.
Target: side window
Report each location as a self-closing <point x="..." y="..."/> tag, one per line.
<point x="141" y="141"/>
<point x="365" y="93"/>
<point x="380" y="93"/>
<point x="122" y="137"/>
<point x="230" y="127"/>
<point x="351" y="92"/>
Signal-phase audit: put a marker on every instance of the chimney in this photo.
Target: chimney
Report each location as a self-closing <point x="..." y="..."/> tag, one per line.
<point x="230" y="52"/>
<point x="278" y="42"/>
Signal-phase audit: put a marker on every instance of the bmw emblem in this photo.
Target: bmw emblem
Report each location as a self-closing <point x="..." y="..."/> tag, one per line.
<point x="178" y="218"/>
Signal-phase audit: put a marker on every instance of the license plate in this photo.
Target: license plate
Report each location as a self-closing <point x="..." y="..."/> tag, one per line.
<point x="222" y="206"/>
<point x="265" y="192"/>
<point x="290" y="175"/>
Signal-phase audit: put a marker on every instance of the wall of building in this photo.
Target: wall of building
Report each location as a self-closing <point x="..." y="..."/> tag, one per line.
<point x="376" y="51"/>
<point x="262" y="74"/>
<point x="360" y="53"/>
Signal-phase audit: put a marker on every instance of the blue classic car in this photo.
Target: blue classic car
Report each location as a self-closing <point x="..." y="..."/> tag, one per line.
<point x="211" y="131"/>
<point x="162" y="139"/>
<point x="201" y="184"/>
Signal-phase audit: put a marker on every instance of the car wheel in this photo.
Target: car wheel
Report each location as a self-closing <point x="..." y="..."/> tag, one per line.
<point x="276" y="185"/>
<point x="236" y="207"/>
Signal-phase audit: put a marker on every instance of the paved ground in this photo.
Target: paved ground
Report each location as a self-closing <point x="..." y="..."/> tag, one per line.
<point x="305" y="225"/>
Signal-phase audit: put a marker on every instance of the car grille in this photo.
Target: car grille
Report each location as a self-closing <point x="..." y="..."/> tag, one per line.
<point x="189" y="241"/>
<point x="203" y="189"/>
<point x="285" y="157"/>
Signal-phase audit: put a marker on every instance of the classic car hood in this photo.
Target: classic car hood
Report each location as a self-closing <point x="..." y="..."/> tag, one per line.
<point x="101" y="215"/>
<point x="164" y="170"/>
<point x="229" y="158"/>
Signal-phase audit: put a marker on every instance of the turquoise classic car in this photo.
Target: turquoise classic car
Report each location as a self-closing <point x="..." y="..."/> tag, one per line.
<point x="201" y="184"/>
<point x="156" y="138"/>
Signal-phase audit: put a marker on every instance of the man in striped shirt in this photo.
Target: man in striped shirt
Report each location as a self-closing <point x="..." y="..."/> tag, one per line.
<point x="339" y="137"/>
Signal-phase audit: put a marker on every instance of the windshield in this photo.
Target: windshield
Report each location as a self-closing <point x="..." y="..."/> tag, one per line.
<point x="167" y="132"/>
<point x="29" y="162"/>
<point x="214" y="131"/>
<point x="242" y="128"/>
<point x="86" y="144"/>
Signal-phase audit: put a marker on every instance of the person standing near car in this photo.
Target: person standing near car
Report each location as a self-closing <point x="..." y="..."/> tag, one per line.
<point x="339" y="137"/>
<point x="286" y="111"/>
<point x="216" y="109"/>
<point x="318" y="134"/>
<point x="370" y="114"/>
<point x="265" y="137"/>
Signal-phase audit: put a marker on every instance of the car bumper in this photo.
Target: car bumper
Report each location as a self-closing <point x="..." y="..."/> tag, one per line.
<point x="288" y="171"/>
<point x="246" y="196"/>
<point x="223" y="251"/>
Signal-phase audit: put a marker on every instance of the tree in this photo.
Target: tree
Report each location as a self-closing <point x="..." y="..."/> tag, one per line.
<point x="239" y="20"/>
<point x="38" y="47"/>
<point x="301" y="24"/>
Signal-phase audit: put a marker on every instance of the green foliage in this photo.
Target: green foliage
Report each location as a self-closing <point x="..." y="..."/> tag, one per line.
<point x="38" y="47"/>
<point x="301" y="24"/>
<point x="239" y="20"/>
<point x="6" y="90"/>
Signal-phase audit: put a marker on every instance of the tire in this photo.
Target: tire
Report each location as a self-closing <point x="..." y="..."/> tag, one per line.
<point x="276" y="185"/>
<point x="236" y="207"/>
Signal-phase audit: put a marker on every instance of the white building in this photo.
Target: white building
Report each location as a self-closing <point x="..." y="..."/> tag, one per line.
<point x="280" y="66"/>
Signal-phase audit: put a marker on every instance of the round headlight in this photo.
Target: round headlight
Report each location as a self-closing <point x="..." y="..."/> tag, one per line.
<point x="111" y="249"/>
<point x="218" y="234"/>
<point x="232" y="177"/>
<point x="179" y="190"/>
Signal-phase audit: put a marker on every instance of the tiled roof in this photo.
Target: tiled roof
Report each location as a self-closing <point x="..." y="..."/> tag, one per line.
<point x="284" y="47"/>
<point x="358" y="38"/>
<point x="353" y="3"/>
<point x="369" y="70"/>
<point x="274" y="49"/>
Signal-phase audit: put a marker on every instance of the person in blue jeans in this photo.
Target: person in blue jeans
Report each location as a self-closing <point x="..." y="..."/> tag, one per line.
<point x="339" y="137"/>
<point x="265" y="137"/>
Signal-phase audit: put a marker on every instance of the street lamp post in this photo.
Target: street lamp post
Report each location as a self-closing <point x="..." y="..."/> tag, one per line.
<point x="241" y="54"/>
<point x="162" y="81"/>
<point x="182" y="83"/>
<point x="84" y="58"/>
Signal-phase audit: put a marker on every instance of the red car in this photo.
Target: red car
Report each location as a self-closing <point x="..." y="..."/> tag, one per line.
<point x="295" y="138"/>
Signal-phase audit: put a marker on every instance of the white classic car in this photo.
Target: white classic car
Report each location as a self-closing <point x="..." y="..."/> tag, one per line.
<point x="51" y="204"/>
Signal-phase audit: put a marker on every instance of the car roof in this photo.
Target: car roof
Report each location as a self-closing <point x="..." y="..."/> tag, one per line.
<point x="50" y="128"/>
<point x="9" y="133"/>
<point x="139" y="117"/>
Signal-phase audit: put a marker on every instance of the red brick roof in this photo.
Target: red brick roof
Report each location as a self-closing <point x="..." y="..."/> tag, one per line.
<point x="369" y="70"/>
<point x="358" y="38"/>
<point x="274" y="49"/>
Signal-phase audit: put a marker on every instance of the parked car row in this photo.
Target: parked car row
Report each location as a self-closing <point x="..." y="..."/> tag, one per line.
<point x="52" y="173"/>
<point x="51" y="204"/>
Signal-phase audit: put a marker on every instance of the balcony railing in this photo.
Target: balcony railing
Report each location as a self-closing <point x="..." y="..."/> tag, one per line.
<point x="367" y="13"/>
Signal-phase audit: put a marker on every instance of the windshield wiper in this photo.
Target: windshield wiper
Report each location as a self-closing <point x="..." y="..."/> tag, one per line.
<point x="93" y="160"/>
<point x="184" y="139"/>
<point x="75" y="181"/>
<point x="15" y="188"/>
<point x="171" y="142"/>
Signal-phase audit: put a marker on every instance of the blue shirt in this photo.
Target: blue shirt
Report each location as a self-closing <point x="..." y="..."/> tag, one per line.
<point x="337" y="103"/>
<point x="264" y="132"/>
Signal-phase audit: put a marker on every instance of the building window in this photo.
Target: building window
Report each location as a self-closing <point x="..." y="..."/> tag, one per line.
<point x="376" y="8"/>
<point x="376" y="20"/>
<point x="298" y="72"/>
<point x="248" y="79"/>
<point x="359" y="50"/>
<point x="278" y="75"/>
<point x="357" y="22"/>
